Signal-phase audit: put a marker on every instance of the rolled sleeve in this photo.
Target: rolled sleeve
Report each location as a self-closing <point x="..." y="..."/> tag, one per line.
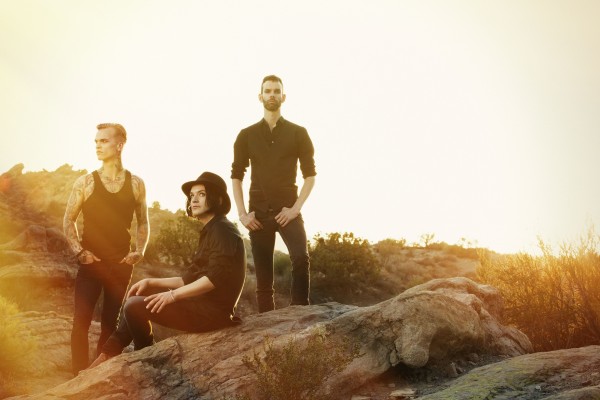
<point x="241" y="159"/>
<point x="306" y="155"/>
<point x="223" y="247"/>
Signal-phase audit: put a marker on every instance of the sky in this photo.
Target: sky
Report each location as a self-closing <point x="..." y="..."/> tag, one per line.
<point x="465" y="119"/>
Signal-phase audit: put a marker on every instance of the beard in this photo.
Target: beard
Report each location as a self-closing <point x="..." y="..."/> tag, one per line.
<point x="272" y="105"/>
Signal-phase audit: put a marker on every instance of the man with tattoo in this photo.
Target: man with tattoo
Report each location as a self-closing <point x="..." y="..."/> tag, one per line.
<point x="107" y="198"/>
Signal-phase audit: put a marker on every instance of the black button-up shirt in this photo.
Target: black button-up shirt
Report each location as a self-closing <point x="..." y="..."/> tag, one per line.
<point x="221" y="257"/>
<point x="274" y="158"/>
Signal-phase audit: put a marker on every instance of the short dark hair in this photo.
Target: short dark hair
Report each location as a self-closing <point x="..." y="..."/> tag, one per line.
<point x="270" y="78"/>
<point x="119" y="129"/>
<point x="214" y="201"/>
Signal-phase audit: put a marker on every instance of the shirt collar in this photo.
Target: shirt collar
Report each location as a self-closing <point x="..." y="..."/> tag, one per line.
<point x="280" y="121"/>
<point x="210" y="223"/>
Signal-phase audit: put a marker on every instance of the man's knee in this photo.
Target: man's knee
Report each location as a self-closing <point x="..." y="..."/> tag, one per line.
<point x="134" y="306"/>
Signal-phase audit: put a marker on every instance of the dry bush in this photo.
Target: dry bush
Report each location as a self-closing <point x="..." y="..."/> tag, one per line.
<point x="298" y="370"/>
<point x="553" y="298"/>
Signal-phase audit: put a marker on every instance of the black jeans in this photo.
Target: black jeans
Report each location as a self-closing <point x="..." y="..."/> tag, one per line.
<point x="110" y="277"/>
<point x="188" y="315"/>
<point x="263" y="247"/>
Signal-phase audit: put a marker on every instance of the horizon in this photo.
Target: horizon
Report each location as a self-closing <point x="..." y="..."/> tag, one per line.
<point x="465" y="120"/>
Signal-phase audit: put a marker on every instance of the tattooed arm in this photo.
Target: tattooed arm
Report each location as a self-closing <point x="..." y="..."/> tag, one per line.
<point x="81" y="189"/>
<point x="143" y="225"/>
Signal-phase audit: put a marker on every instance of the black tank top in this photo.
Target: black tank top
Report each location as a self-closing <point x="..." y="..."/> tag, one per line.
<point x="107" y="220"/>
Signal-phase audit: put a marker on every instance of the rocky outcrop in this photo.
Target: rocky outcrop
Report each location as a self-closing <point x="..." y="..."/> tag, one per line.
<point x="39" y="239"/>
<point x="564" y="374"/>
<point x="429" y="323"/>
<point x="37" y="281"/>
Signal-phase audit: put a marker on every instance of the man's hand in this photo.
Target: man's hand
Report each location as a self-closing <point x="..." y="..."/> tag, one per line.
<point x="139" y="287"/>
<point x="286" y="215"/>
<point x="87" y="257"/>
<point x="133" y="258"/>
<point x="156" y="302"/>
<point x="249" y="220"/>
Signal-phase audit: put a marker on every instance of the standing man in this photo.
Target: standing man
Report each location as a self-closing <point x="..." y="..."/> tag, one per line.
<point x="274" y="146"/>
<point x="108" y="198"/>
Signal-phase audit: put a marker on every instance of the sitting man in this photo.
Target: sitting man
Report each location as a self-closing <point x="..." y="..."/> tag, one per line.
<point x="205" y="297"/>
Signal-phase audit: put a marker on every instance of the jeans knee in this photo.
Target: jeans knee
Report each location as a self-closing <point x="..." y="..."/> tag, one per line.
<point x="133" y="305"/>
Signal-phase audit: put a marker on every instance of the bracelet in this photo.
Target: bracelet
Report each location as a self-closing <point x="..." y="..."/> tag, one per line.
<point x="172" y="295"/>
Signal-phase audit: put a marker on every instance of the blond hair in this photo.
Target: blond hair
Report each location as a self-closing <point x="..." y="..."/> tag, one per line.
<point x="119" y="130"/>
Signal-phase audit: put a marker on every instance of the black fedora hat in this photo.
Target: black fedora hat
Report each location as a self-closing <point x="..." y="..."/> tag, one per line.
<point x="215" y="182"/>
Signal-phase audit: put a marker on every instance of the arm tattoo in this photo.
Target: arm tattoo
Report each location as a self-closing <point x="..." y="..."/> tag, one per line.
<point x="72" y="212"/>
<point x="141" y="214"/>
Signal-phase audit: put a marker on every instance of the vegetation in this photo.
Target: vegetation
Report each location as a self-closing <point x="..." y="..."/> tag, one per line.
<point x="342" y="266"/>
<point x="16" y="345"/>
<point x="297" y="370"/>
<point x="553" y="298"/>
<point x="176" y="241"/>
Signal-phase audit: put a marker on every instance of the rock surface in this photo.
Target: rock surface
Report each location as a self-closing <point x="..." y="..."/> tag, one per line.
<point x="432" y="322"/>
<point x="52" y="333"/>
<point x="563" y="374"/>
<point x="38" y="238"/>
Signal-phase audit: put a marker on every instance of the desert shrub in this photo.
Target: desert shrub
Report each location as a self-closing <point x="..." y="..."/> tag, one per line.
<point x="553" y="298"/>
<point x="388" y="248"/>
<point x="16" y="344"/>
<point x="456" y="250"/>
<point x="298" y="369"/>
<point x="342" y="265"/>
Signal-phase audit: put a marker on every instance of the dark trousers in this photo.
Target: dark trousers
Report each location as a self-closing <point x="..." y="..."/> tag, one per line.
<point x="135" y="324"/>
<point x="110" y="277"/>
<point x="263" y="247"/>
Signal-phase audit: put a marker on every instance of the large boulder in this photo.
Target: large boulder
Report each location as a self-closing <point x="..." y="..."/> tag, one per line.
<point x="430" y="323"/>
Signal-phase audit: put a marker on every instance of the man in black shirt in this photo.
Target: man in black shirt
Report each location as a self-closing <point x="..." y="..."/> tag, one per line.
<point x="205" y="297"/>
<point x="274" y="146"/>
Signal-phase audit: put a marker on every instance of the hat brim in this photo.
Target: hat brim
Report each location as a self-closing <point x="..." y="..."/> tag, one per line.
<point x="186" y="187"/>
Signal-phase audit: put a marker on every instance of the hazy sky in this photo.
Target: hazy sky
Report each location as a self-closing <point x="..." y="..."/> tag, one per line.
<point x="460" y="118"/>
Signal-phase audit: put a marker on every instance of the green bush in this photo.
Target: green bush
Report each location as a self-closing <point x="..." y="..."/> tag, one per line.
<point x="553" y="298"/>
<point x="176" y="241"/>
<point x="16" y="344"/>
<point x="298" y="369"/>
<point x="342" y="266"/>
<point x="282" y="264"/>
